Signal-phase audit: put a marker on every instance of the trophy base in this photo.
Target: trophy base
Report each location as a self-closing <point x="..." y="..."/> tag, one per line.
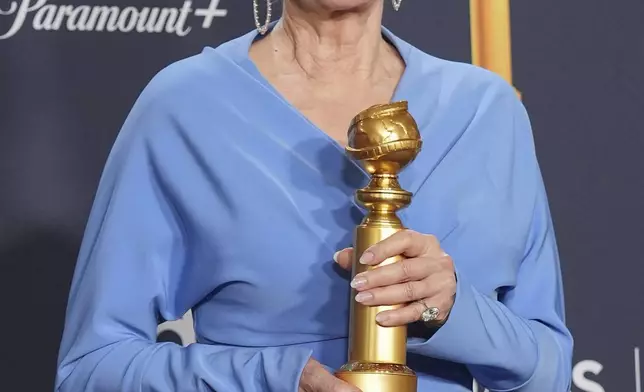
<point x="379" y="377"/>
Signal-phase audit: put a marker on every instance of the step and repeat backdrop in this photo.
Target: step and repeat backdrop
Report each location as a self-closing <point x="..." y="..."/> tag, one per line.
<point x="71" y="69"/>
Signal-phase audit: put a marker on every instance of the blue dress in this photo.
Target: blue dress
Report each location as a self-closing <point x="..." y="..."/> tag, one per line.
<point x="220" y="197"/>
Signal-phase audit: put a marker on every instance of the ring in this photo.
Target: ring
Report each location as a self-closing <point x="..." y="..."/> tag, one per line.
<point x="430" y="314"/>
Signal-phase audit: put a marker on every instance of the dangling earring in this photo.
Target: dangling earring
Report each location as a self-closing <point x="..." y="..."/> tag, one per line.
<point x="396" y="4"/>
<point x="262" y="29"/>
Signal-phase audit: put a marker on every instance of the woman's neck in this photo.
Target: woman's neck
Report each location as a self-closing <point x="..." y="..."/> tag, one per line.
<point x="328" y="43"/>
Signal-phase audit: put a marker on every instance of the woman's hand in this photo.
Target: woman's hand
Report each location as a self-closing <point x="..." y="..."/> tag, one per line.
<point x="424" y="280"/>
<point x="315" y="378"/>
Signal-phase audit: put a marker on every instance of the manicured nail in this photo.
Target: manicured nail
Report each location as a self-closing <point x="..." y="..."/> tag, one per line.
<point x="358" y="281"/>
<point x="367" y="257"/>
<point x="381" y="317"/>
<point x="335" y="256"/>
<point x="361" y="297"/>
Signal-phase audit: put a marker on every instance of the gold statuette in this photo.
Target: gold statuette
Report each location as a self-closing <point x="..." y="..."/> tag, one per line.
<point x="385" y="139"/>
<point x="491" y="36"/>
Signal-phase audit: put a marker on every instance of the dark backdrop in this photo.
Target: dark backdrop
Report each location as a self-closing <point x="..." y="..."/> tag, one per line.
<point x="64" y="94"/>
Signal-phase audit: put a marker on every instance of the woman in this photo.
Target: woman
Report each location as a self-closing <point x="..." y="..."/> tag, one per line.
<point x="228" y="193"/>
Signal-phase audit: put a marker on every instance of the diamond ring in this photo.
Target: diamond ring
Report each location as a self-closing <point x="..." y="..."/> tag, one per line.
<point x="429" y="314"/>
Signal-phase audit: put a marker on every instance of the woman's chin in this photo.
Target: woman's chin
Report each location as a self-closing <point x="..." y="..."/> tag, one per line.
<point x="342" y="5"/>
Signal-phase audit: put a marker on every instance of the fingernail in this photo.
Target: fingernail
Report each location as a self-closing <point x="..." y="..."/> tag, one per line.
<point x="381" y="317"/>
<point x="367" y="257"/>
<point x="335" y="256"/>
<point x="361" y="297"/>
<point x="358" y="281"/>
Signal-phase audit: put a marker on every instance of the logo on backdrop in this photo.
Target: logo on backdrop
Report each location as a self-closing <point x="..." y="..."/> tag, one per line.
<point x="586" y="374"/>
<point x="111" y="19"/>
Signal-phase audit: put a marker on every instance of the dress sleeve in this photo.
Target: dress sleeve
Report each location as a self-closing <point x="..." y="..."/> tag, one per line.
<point x="518" y="341"/>
<point x="134" y="247"/>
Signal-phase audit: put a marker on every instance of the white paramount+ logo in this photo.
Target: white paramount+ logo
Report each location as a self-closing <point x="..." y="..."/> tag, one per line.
<point x="53" y="17"/>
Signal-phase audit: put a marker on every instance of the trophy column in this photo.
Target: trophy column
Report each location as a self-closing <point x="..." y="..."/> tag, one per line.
<point x="384" y="139"/>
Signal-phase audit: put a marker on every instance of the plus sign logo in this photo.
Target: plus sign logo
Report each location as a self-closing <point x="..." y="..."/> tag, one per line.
<point x="208" y="14"/>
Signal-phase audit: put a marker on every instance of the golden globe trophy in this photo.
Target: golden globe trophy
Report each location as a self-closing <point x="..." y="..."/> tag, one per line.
<point x="384" y="138"/>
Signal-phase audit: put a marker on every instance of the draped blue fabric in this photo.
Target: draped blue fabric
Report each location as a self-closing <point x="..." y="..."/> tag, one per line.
<point x="220" y="197"/>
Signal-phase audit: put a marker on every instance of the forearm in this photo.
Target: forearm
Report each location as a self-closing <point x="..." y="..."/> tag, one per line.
<point x="503" y="351"/>
<point x="552" y="369"/>
<point x="141" y="366"/>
